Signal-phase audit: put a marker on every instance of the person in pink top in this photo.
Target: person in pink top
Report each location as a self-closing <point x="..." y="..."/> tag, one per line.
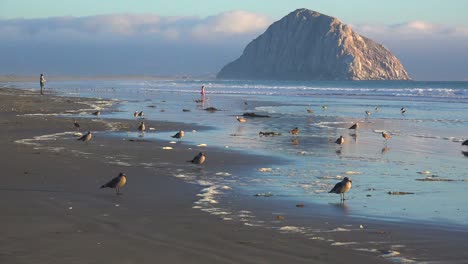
<point x="202" y="90"/>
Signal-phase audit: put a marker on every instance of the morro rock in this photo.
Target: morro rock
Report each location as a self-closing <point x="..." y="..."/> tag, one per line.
<point x="307" y="45"/>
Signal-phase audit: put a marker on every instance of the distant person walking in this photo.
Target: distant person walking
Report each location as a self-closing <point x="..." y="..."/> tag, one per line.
<point x="202" y="90"/>
<point x="42" y="81"/>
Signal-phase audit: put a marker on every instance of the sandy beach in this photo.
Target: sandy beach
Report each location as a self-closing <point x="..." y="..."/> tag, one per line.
<point x="53" y="211"/>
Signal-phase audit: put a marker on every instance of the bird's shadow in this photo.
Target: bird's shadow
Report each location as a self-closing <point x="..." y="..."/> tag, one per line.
<point x="341" y="206"/>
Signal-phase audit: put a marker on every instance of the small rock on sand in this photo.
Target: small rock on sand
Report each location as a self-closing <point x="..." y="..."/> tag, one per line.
<point x="265" y="169"/>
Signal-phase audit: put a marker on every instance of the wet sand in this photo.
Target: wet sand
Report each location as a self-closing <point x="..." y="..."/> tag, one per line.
<point x="54" y="212"/>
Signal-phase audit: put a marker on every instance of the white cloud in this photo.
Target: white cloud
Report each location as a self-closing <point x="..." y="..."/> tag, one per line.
<point x="228" y="24"/>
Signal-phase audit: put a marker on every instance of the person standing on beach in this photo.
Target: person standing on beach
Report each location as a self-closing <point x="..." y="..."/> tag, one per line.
<point x="42" y="81"/>
<point x="202" y="90"/>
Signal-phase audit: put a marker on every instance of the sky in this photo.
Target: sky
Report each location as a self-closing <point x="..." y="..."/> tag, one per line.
<point x="187" y="37"/>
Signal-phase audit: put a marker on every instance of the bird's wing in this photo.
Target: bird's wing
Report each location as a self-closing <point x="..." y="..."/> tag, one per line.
<point x="336" y="188"/>
<point x="112" y="183"/>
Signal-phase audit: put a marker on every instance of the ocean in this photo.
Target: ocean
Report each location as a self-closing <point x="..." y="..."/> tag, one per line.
<point x="423" y="158"/>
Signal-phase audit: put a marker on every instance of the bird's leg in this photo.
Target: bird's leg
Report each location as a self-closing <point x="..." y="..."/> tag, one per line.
<point x="117" y="191"/>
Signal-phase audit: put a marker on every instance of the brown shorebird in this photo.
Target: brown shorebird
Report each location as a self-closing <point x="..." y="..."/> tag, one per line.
<point x="465" y="143"/>
<point x="355" y="126"/>
<point x="295" y="131"/>
<point x="340" y="140"/>
<point x="241" y="119"/>
<point x="97" y="113"/>
<point x="386" y="136"/>
<point x="368" y="113"/>
<point x="342" y="187"/>
<point x="75" y="123"/>
<point x="116" y="183"/>
<point x="141" y="114"/>
<point x="135" y="114"/>
<point x="198" y="159"/>
<point x="179" y="135"/>
<point x="142" y="127"/>
<point x="310" y="111"/>
<point x="87" y="137"/>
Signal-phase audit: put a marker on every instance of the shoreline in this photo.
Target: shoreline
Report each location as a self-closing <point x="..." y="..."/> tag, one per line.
<point x="266" y="208"/>
<point x="53" y="198"/>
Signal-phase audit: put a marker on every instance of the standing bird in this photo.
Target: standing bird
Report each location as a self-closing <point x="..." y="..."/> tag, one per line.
<point x="141" y="114"/>
<point x="340" y="140"/>
<point x="310" y="111"/>
<point x="342" y="187"/>
<point x="135" y="114"/>
<point x="97" y="113"/>
<point x="377" y="109"/>
<point x="75" y="123"/>
<point x="295" y="131"/>
<point x="87" y="137"/>
<point x="198" y="159"/>
<point x="241" y="119"/>
<point x="355" y="126"/>
<point x="117" y="183"/>
<point x="386" y="136"/>
<point x="179" y="135"/>
<point x="465" y="143"/>
<point x="403" y="110"/>
<point x="324" y="107"/>
<point x="142" y="127"/>
<point x="368" y="113"/>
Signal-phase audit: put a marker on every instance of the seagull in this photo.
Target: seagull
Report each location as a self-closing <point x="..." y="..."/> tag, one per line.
<point x="135" y="114"/>
<point x="199" y="159"/>
<point x="117" y="183"/>
<point x="179" y="135"/>
<point x="342" y="187"/>
<point x="141" y="114"/>
<point x="97" y="113"/>
<point x="368" y="113"/>
<point x="355" y="126"/>
<point x="241" y="119"/>
<point x="465" y="143"/>
<point x="340" y="140"/>
<point x="142" y="127"/>
<point x="87" y="137"/>
<point x="77" y="126"/>
<point x="295" y="131"/>
<point x="386" y="136"/>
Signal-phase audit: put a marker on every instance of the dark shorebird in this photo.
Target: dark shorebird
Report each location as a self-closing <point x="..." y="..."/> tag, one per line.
<point x="386" y="136"/>
<point x="355" y="126"/>
<point x="97" y="113"/>
<point x="142" y="127"/>
<point x="116" y="183"/>
<point x="368" y="113"/>
<point x="340" y="140"/>
<point x="465" y="143"/>
<point x="141" y="114"/>
<point x="324" y="107"/>
<point x="342" y="187"/>
<point x="403" y="110"/>
<point x="241" y="119"/>
<point x="295" y="131"/>
<point x="77" y="126"/>
<point x="87" y="137"/>
<point x="310" y="111"/>
<point x="198" y="159"/>
<point x="179" y="135"/>
<point x="377" y="109"/>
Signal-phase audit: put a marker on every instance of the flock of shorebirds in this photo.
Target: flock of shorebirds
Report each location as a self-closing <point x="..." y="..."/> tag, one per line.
<point x="340" y="188"/>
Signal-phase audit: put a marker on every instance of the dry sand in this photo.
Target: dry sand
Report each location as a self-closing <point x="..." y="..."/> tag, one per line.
<point x="53" y="211"/>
